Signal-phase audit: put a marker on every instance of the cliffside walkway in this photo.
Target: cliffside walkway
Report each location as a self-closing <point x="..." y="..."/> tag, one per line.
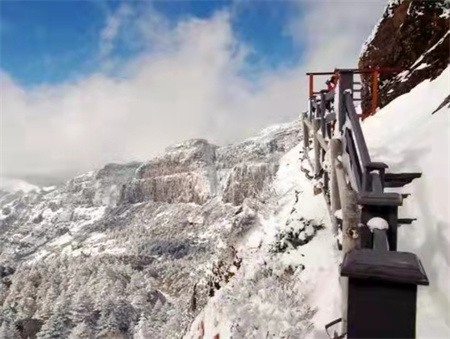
<point x="379" y="284"/>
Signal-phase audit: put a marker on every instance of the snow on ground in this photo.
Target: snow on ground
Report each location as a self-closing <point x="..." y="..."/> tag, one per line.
<point x="257" y="303"/>
<point x="254" y="305"/>
<point x="417" y="141"/>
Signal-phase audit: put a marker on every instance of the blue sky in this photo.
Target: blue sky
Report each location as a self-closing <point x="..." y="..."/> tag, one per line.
<point x="84" y="83"/>
<point x="58" y="41"/>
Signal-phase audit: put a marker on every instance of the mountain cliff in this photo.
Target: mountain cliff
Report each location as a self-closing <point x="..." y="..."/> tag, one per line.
<point x="133" y="240"/>
<point x="413" y="36"/>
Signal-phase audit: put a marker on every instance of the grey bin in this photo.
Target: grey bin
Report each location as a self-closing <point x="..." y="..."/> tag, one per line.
<point x="382" y="293"/>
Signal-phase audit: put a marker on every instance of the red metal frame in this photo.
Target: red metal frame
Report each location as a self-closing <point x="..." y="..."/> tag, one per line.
<point x="374" y="71"/>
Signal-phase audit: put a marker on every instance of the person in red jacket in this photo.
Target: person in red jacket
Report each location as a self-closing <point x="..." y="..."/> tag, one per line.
<point x="331" y="84"/>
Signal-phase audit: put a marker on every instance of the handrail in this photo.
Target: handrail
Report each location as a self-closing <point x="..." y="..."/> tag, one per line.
<point x="357" y="131"/>
<point x="366" y="199"/>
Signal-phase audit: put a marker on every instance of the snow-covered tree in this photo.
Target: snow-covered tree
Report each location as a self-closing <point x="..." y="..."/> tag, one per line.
<point x="142" y="328"/>
<point x="82" y="331"/>
<point x="82" y="308"/>
<point x="8" y="330"/>
<point x="109" y="327"/>
<point x="58" y="325"/>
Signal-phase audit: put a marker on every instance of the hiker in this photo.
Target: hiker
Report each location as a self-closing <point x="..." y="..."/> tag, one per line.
<point x="331" y="84"/>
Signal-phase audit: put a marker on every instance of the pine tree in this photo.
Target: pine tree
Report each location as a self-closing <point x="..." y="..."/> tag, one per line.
<point x="57" y="326"/>
<point x="109" y="328"/>
<point x="46" y="306"/>
<point x="123" y="313"/>
<point x="53" y="328"/>
<point x="82" y="308"/>
<point x="156" y="312"/>
<point x="81" y="331"/>
<point x="139" y="301"/>
<point x="142" y="329"/>
<point x="8" y="330"/>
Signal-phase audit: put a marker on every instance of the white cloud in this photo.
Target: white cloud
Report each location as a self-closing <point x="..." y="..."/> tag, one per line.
<point x="114" y="23"/>
<point x="187" y="85"/>
<point x="333" y="31"/>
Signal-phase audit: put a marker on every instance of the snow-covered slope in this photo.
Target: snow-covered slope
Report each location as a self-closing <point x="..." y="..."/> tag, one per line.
<point x="143" y="236"/>
<point x="292" y="291"/>
<point x="409" y="137"/>
<point x="287" y="285"/>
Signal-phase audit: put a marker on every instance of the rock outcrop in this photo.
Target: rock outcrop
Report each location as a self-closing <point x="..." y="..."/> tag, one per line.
<point x="196" y="171"/>
<point x="413" y="36"/>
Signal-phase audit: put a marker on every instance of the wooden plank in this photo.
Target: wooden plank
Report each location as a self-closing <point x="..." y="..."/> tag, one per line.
<point x="350" y="222"/>
<point x="322" y="142"/>
<point x="380" y="240"/>
<point x="400" y="179"/>
<point x="355" y="168"/>
<point x="377" y="199"/>
<point x="308" y="124"/>
<point x="316" y="145"/>
<point x="356" y="130"/>
<point x="348" y="169"/>
<point x="305" y="134"/>
<point x="335" y="202"/>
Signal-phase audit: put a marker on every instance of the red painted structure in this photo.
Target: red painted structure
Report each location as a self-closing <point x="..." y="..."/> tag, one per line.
<point x="375" y="72"/>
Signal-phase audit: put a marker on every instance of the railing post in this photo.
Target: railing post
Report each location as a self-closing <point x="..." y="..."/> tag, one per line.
<point x="311" y="107"/>
<point x="322" y="110"/>
<point x="317" y="148"/>
<point x="350" y="235"/>
<point x="335" y="151"/>
<point x="305" y="133"/>
<point x="345" y="83"/>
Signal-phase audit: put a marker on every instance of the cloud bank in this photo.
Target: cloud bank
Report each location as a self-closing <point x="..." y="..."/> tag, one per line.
<point x="186" y="83"/>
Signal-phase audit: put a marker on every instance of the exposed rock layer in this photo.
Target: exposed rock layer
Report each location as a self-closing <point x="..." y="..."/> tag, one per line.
<point x="412" y="36"/>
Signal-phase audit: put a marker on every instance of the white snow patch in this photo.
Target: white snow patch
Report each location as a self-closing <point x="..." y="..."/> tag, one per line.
<point x="407" y="137"/>
<point x="15" y="185"/>
<point x="377" y="223"/>
<point x="62" y="240"/>
<point x="422" y="66"/>
<point x="318" y="281"/>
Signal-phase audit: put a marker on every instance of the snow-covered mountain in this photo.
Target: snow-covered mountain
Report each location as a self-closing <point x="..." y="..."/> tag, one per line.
<point x="134" y="240"/>
<point x="287" y="285"/>
<point x="10" y="185"/>
<point x="231" y="241"/>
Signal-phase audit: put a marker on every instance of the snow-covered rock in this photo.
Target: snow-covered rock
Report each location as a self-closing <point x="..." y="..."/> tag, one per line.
<point x="168" y="219"/>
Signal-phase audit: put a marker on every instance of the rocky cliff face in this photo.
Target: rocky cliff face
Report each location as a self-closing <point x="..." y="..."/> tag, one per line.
<point x="161" y="222"/>
<point x="413" y="36"/>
